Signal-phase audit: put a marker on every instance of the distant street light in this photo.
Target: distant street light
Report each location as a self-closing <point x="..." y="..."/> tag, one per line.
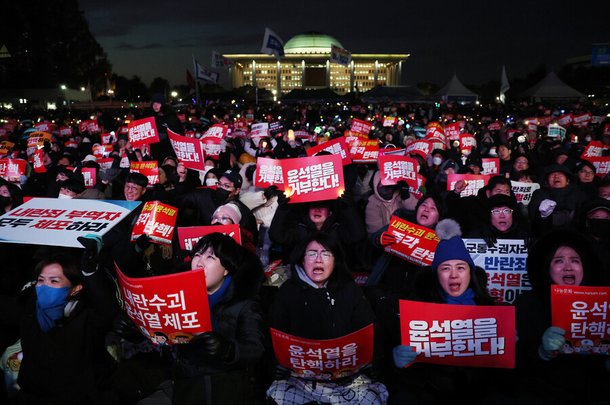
<point x="174" y="94"/>
<point x="63" y="87"/>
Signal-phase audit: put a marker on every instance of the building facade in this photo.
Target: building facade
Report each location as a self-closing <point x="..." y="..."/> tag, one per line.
<point x="306" y="65"/>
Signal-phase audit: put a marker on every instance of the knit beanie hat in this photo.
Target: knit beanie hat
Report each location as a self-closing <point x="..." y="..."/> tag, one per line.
<point x="230" y="210"/>
<point x="451" y="246"/>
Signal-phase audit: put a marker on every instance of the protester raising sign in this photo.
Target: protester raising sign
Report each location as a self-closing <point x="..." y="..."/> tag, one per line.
<point x="360" y="126"/>
<point x="313" y="178"/>
<point x="582" y="313"/>
<point x="143" y="131"/>
<point x="396" y="168"/>
<point x="149" y="168"/>
<point x="459" y="335"/>
<point x="336" y="146"/>
<point x="329" y="359"/>
<point x="523" y="191"/>
<point x="268" y="173"/>
<point x="190" y="235"/>
<point x="167" y="309"/>
<point x="188" y="150"/>
<point x="474" y="182"/>
<point x="413" y="242"/>
<point x="12" y="169"/>
<point x="157" y="220"/>
<point x="364" y="150"/>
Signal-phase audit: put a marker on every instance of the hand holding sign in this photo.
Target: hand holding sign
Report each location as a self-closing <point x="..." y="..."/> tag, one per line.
<point x="552" y="340"/>
<point x="403" y="356"/>
<point x="214" y="345"/>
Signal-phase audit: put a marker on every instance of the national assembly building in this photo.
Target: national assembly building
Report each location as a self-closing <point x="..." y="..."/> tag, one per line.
<point x="307" y="65"/>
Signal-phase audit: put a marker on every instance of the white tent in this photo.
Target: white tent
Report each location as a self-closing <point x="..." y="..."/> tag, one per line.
<point x="456" y="91"/>
<point x="551" y="87"/>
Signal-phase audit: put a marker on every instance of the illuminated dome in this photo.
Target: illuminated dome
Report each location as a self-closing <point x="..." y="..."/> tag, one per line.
<point x="311" y="42"/>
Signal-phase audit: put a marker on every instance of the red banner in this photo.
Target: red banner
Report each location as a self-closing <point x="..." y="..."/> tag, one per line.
<point x="329" y="359"/>
<point x="336" y="146"/>
<point x="360" y="126"/>
<point x="495" y="126"/>
<point x="474" y="182"/>
<point x="189" y="236"/>
<point x="90" y="176"/>
<point x="459" y="335"/>
<point x="491" y="166"/>
<point x="143" y="131"/>
<point x="392" y="169"/>
<point x="167" y="309"/>
<point x="582" y="313"/>
<point x="467" y="142"/>
<point x="188" y="150"/>
<point x="149" y="168"/>
<point x="594" y="149"/>
<point x="156" y="220"/>
<point x="212" y="147"/>
<point x="453" y="131"/>
<point x="364" y="150"/>
<point x="268" y="173"/>
<point x="12" y="169"/>
<point x="414" y="243"/>
<point x="38" y="161"/>
<point x="216" y="131"/>
<point x="435" y="130"/>
<point x="565" y="120"/>
<point x="313" y="178"/>
<point x="421" y="148"/>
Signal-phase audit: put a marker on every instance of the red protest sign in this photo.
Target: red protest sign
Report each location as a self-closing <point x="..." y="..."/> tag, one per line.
<point x="313" y="178"/>
<point x="100" y="151"/>
<point x="360" y="126"/>
<point x="12" y="169"/>
<point x="490" y="166"/>
<point x="474" y="182"/>
<point x="392" y="152"/>
<point x="435" y="130"/>
<point x="336" y="146"/>
<point x="544" y="120"/>
<point x="328" y="359"/>
<point x="156" y="220"/>
<point x="216" y="131"/>
<point x="594" y="149"/>
<point x="390" y="121"/>
<point x="581" y="120"/>
<point x="436" y="143"/>
<point x="565" y="120"/>
<point x="582" y="313"/>
<point x="188" y="150"/>
<point x="65" y="131"/>
<point x="149" y="168"/>
<point x="495" y="126"/>
<point x="602" y="165"/>
<point x="189" y="236"/>
<point x="414" y="243"/>
<point x="467" y="142"/>
<point x="38" y="161"/>
<point x="364" y="150"/>
<point x="459" y="335"/>
<point x="453" y="131"/>
<point x="143" y="131"/>
<point x="421" y="148"/>
<point x="268" y="173"/>
<point x="395" y="168"/>
<point x="45" y="126"/>
<point x="606" y="129"/>
<point x="212" y="147"/>
<point x="105" y="163"/>
<point x="88" y="126"/>
<point x="167" y="309"/>
<point x="89" y="175"/>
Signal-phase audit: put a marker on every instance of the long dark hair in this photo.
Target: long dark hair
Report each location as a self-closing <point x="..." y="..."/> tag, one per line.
<point x="340" y="272"/>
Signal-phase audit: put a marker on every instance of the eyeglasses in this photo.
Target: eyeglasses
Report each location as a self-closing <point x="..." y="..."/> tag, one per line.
<point x="587" y="172"/>
<point x="325" y="255"/>
<point x="498" y="211"/>
<point x="225" y="186"/>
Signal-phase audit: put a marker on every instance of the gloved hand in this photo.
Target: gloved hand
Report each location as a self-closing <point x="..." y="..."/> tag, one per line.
<point x="403" y="190"/>
<point x="272" y="191"/>
<point x="281" y="373"/>
<point x="142" y="242"/>
<point x="552" y="340"/>
<point x="403" y="356"/>
<point x="546" y="207"/>
<point x="215" y="346"/>
<point x="387" y="238"/>
<point x="90" y="257"/>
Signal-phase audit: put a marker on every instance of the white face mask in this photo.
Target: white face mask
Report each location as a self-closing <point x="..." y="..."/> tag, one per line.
<point x="492" y="152"/>
<point x="436" y="161"/>
<point x="64" y="196"/>
<point x="211" y="182"/>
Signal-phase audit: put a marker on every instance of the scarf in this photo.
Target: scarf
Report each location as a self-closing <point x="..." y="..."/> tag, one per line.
<point x="467" y="298"/>
<point x="50" y="304"/>
<point x="216" y="297"/>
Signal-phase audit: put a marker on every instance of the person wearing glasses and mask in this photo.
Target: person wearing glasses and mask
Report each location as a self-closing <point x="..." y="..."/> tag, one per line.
<point x="229" y="214"/>
<point x="321" y="301"/>
<point x="503" y="221"/>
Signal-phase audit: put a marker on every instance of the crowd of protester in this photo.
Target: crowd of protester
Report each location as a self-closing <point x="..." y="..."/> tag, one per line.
<point x="78" y="346"/>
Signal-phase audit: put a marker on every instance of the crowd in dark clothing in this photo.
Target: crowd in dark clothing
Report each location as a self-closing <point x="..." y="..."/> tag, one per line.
<point x="87" y="350"/>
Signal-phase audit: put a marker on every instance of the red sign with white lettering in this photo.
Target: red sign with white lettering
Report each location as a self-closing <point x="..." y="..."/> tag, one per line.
<point x="313" y="178"/>
<point x="156" y="220"/>
<point x="190" y="235"/>
<point x="414" y="243"/>
<point x="143" y="131"/>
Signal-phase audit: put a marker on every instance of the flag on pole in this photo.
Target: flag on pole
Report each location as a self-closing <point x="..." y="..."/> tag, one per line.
<point x="504" y="85"/>
<point x="340" y="55"/>
<point x="219" y="61"/>
<point x="272" y="44"/>
<point x="190" y="80"/>
<point x="202" y="73"/>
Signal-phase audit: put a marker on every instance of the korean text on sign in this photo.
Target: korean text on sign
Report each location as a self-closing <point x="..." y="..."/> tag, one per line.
<point x="313" y="178"/>
<point x="414" y="243"/>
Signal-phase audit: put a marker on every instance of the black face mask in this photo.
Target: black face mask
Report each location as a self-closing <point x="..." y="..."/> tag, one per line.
<point x="600" y="228"/>
<point x="220" y="196"/>
<point x="5" y="201"/>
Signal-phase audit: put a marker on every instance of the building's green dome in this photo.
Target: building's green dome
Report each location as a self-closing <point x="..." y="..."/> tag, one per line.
<point x="311" y="42"/>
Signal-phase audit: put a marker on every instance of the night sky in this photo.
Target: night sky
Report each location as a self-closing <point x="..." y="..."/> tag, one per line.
<point x="472" y="39"/>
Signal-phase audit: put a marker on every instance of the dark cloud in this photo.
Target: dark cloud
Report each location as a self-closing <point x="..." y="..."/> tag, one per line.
<point x="131" y="47"/>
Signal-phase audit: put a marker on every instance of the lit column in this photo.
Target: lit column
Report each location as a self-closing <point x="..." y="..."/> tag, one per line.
<point x="376" y="73"/>
<point x="351" y="76"/>
<point x="253" y="73"/>
<point x="303" y="73"/>
<point x="328" y="73"/>
<point x="278" y="84"/>
<point x="399" y="73"/>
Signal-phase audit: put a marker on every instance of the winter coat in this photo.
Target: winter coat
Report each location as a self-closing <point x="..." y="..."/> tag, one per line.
<point x="568" y="199"/>
<point x="379" y="211"/>
<point x="69" y="364"/>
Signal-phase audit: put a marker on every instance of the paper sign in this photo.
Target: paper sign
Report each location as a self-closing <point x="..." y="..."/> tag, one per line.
<point x="188" y="150"/>
<point x="474" y="182"/>
<point x="149" y="168"/>
<point x="156" y="220"/>
<point x="325" y="360"/>
<point x="467" y="142"/>
<point x="212" y="147"/>
<point x="268" y="173"/>
<point x="504" y="264"/>
<point x="336" y="146"/>
<point x="90" y="176"/>
<point x="556" y="131"/>
<point x="435" y="130"/>
<point x="360" y="126"/>
<point x="523" y="191"/>
<point x="12" y="169"/>
<point x="143" y="131"/>
<point x="594" y="149"/>
<point x="313" y="178"/>
<point x="168" y="309"/>
<point x="216" y="131"/>
<point x="453" y="131"/>
<point x="421" y="148"/>
<point x="582" y="313"/>
<point x="491" y="166"/>
<point x="189" y="236"/>
<point x="390" y="121"/>
<point x="364" y="150"/>
<point x="459" y="335"/>
<point x="392" y="169"/>
<point x="414" y="243"/>
<point x="54" y="222"/>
